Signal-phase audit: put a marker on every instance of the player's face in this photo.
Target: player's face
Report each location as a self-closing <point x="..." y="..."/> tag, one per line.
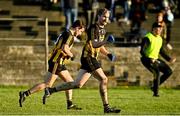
<point x="104" y="19"/>
<point x="157" y="30"/>
<point x="79" y="31"/>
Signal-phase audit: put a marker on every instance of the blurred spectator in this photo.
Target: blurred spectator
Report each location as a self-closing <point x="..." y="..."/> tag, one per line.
<point x="111" y="6"/>
<point x="168" y="18"/>
<point x="160" y="20"/>
<point x="157" y="5"/>
<point x="137" y="14"/>
<point x="127" y="8"/>
<point x="90" y="9"/>
<point x="70" y="9"/>
<point x="126" y="13"/>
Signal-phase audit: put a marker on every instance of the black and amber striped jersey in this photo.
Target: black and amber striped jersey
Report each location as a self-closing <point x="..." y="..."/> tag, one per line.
<point x="57" y="54"/>
<point x="94" y="33"/>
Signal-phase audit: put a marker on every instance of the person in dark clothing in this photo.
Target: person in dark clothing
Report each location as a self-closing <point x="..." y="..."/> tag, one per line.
<point x="90" y="10"/>
<point x="89" y="61"/>
<point x="137" y="14"/>
<point x="57" y="64"/>
<point x="151" y="47"/>
<point x="111" y="6"/>
<point x="70" y="9"/>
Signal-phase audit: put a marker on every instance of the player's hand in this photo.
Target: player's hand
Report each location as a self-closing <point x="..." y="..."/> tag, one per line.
<point x="172" y="60"/>
<point x="111" y="57"/>
<point x="72" y="58"/>
<point x="154" y="62"/>
<point x="169" y="46"/>
<point x="110" y="39"/>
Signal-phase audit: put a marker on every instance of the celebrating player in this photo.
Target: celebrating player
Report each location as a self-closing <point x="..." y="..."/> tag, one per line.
<point x="60" y="53"/>
<point x="89" y="63"/>
<point x="152" y="46"/>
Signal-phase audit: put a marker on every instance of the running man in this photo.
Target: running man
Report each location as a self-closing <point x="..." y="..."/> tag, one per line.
<point x="89" y="62"/>
<point x="60" y="53"/>
<point x="151" y="47"/>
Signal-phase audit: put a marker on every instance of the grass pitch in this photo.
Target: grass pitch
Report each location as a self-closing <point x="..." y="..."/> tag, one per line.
<point x="132" y="101"/>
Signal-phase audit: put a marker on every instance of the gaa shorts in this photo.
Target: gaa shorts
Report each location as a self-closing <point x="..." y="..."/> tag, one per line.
<point x="90" y="64"/>
<point x="55" y="68"/>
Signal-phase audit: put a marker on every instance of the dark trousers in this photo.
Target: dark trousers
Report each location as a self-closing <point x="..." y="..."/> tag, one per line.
<point x="158" y="67"/>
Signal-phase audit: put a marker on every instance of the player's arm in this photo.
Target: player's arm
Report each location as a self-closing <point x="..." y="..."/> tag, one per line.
<point x="67" y="50"/>
<point x="104" y="51"/>
<point x="66" y="46"/>
<point x="95" y="38"/>
<point x="166" y="56"/>
<point x="96" y="43"/>
<point x="144" y="44"/>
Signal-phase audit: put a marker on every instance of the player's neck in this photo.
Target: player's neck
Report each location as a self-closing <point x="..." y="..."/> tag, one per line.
<point x="100" y="25"/>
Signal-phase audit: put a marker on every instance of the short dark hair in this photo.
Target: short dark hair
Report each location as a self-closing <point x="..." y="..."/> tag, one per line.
<point x="156" y="24"/>
<point x="102" y="11"/>
<point x="78" y="23"/>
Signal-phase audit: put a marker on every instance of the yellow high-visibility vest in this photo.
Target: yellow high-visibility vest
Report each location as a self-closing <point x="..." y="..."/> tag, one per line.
<point x="152" y="51"/>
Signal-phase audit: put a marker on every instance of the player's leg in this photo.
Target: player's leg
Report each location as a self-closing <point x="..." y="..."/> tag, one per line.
<point x="83" y="76"/>
<point x="153" y="68"/>
<point x="99" y="74"/>
<point x="166" y="70"/>
<point x="155" y="87"/>
<point x="36" y="88"/>
<point x="54" y="69"/>
<point x="66" y="77"/>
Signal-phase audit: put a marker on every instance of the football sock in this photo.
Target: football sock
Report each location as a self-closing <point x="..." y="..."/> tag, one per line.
<point x="69" y="103"/>
<point x="52" y="90"/>
<point x="106" y="105"/>
<point x="27" y="93"/>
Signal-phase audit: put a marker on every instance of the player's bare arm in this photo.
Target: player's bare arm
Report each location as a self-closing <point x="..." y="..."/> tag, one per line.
<point x="67" y="50"/>
<point x="104" y="51"/>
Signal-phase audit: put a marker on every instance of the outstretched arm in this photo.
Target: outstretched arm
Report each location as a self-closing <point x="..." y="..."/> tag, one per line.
<point x="166" y="56"/>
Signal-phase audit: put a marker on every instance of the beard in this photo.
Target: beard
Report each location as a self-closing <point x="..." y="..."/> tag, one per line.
<point x="103" y="23"/>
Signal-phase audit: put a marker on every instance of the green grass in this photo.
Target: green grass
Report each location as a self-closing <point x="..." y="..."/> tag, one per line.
<point x="132" y="101"/>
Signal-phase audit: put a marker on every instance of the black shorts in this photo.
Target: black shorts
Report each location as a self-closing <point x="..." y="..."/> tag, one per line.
<point x="52" y="68"/>
<point x="90" y="64"/>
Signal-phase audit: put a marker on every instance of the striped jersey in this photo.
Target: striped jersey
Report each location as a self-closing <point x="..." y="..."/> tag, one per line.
<point x="94" y="33"/>
<point x="57" y="54"/>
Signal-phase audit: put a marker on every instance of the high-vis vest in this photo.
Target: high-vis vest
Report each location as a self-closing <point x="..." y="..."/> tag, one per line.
<point x="152" y="51"/>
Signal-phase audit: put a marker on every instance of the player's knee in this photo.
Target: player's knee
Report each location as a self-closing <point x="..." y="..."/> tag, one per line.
<point x="104" y="80"/>
<point x="48" y="84"/>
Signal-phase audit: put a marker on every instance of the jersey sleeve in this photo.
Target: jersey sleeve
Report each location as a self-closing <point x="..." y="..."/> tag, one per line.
<point x="145" y="42"/>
